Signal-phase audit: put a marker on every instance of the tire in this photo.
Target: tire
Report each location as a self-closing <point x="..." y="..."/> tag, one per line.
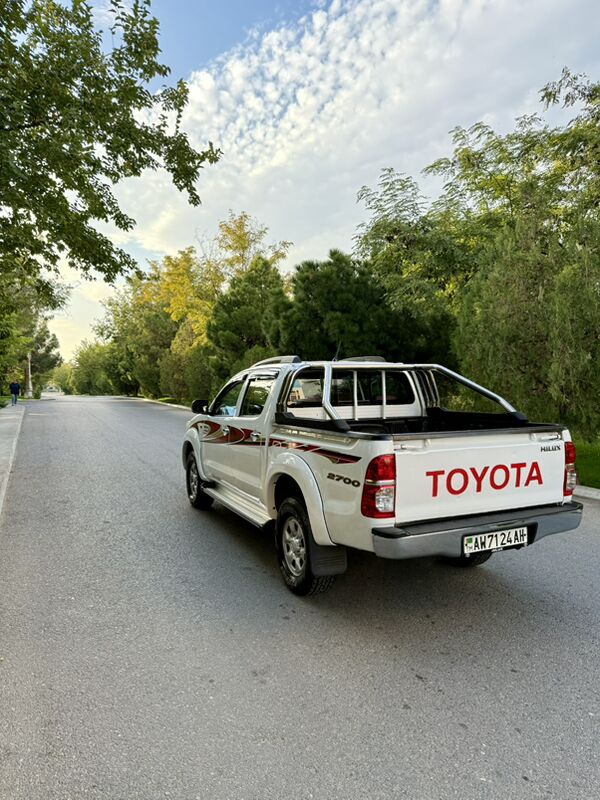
<point x="196" y="496"/>
<point x="293" y="550"/>
<point x="467" y="562"/>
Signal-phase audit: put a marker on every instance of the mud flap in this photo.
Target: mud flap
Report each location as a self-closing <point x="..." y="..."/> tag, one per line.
<point x="325" y="560"/>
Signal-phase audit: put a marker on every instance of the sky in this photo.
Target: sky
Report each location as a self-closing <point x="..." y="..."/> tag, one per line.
<point x="310" y="100"/>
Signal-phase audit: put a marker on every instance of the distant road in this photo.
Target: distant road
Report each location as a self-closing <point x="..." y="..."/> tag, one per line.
<point x="151" y="651"/>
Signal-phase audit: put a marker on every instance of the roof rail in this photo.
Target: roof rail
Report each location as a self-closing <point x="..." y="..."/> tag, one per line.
<point x="366" y="358"/>
<point x="278" y="360"/>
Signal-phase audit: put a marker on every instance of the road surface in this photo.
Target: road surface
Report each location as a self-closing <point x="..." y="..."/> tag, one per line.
<point x="150" y="651"/>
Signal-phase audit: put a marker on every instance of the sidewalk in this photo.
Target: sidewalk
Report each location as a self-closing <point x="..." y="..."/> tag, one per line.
<point x="10" y="425"/>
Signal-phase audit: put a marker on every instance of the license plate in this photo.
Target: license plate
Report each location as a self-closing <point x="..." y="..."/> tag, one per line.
<point x="494" y="541"/>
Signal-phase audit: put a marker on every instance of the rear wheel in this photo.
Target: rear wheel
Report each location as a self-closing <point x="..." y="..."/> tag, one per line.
<point x="293" y="550"/>
<point x="467" y="561"/>
<point x="196" y="496"/>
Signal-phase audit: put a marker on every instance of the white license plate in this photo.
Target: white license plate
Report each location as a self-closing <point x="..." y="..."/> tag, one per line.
<point x="494" y="541"/>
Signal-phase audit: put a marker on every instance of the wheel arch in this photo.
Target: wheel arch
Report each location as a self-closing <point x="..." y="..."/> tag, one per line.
<point x="293" y="474"/>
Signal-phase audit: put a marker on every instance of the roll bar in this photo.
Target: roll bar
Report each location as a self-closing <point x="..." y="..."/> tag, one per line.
<point x="422" y="372"/>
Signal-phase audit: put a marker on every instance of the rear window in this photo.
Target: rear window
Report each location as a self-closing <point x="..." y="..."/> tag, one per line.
<point x="369" y="389"/>
<point x="307" y="389"/>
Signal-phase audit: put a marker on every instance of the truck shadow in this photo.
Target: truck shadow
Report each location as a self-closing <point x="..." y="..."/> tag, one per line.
<point x="381" y="600"/>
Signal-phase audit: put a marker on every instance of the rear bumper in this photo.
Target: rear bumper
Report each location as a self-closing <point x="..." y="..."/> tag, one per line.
<point x="444" y="537"/>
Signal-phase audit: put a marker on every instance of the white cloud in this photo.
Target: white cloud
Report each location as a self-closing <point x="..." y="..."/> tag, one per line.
<point x="307" y="114"/>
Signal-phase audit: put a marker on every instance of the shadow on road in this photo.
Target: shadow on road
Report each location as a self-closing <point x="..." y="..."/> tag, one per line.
<point x="420" y="599"/>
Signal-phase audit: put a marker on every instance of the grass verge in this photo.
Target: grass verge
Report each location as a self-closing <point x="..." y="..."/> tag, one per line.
<point x="588" y="463"/>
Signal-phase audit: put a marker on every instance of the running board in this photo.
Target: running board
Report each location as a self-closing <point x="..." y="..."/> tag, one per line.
<point x="238" y="503"/>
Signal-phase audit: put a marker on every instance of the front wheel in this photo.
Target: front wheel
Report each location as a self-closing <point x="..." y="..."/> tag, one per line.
<point x="467" y="561"/>
<point x="196" y="496"/>
<point x="293" y="550"/>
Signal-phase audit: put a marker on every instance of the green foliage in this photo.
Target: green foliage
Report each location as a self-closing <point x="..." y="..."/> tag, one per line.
<point x="76" y="117"/>
<point x="185" y="370"/>
<point x="533" y="307"/>
<point x="140" y="330"/>
<point x="62" y="376"/>
<point x="44" y="354"/>
<point x="241" y="239"/>
<point x="238" y="329"/>
<point x="340" y="309"/>
<point x="90" y="369"/>
<point x="23" y="327"/>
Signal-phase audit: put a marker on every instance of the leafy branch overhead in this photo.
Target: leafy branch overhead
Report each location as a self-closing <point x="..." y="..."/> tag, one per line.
<point x="77" y="116"/>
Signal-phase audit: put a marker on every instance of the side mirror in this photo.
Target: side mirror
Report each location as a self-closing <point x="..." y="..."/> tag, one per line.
<point x="199" y="406"/>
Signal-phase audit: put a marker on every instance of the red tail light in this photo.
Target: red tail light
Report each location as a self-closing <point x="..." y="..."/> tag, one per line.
<point x="570" y="471"/>
<point x="379" y="491"/>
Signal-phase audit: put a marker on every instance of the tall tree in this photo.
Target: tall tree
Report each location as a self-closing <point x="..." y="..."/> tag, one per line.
<point x="77" y="115"/>
<point x="530" y="321"/>
<point x="340" y="309"/>
<point x="90" y="364"/>
<point x="241" y="239"/>
<point x="238" y="329"/>
<point x="140" y="332"/>
<point x="44" y="354"/>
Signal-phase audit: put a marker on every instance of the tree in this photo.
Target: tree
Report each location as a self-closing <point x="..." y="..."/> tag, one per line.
<point x="530" y="319"/>
<point x="340" y="310"/>
<point x="90" y="369"/>
<point x="62" y="376"/>
<point x="241" y="239"/>
<point x="22" y="310"/>
<point x="422" y="256"/>
<point x="140" y="332"/>
<point x="238" y="328"/>
<point x="44" y="355"/>
<point x="77" y="117"/>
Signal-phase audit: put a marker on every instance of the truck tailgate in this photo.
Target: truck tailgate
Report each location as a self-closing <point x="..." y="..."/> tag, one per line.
<point x="461" y="474"/>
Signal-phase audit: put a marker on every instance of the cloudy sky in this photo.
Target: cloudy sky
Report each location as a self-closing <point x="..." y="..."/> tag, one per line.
<point x="310" y="100"/>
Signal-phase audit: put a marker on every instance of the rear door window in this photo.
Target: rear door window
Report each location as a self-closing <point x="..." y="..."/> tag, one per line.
<point x="257" y="394"/>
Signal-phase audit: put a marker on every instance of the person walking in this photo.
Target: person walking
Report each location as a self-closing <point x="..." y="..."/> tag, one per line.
<point x="15" y="391"/>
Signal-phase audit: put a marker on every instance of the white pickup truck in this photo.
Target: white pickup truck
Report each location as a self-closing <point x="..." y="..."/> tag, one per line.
<point x="403" y="460"/>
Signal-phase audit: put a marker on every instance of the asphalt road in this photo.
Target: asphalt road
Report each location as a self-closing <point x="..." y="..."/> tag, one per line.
<point x="150" y="651"/>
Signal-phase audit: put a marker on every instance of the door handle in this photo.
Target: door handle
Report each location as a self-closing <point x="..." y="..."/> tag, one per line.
<point x="255" y="436"/>
<point x="225" y="430"/>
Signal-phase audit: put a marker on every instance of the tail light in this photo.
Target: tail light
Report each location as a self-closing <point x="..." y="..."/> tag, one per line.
<point x="570" y="471"/>
<point x="379" y="492"/>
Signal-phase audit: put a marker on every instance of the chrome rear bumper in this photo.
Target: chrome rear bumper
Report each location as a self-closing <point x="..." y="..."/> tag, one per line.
<point x="444" y="537"/>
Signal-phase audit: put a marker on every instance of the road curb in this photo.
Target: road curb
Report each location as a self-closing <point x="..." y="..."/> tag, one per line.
<point x="587" y="492"/>
<point x="157" y="402"/>
<point x="11" y="419"/>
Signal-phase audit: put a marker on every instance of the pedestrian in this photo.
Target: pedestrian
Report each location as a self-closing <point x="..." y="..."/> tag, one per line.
<point x="15" y="391"/>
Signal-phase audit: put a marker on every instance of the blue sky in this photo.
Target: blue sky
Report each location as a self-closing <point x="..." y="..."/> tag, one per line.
<point x="311" y="100"/>
<point x="194" y="32"/>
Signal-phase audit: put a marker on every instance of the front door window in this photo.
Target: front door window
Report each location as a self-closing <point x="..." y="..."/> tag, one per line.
<point x="225" y="404"/>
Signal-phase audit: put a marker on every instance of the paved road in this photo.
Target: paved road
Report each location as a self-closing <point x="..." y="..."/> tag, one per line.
<point x="151" y="651"/>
